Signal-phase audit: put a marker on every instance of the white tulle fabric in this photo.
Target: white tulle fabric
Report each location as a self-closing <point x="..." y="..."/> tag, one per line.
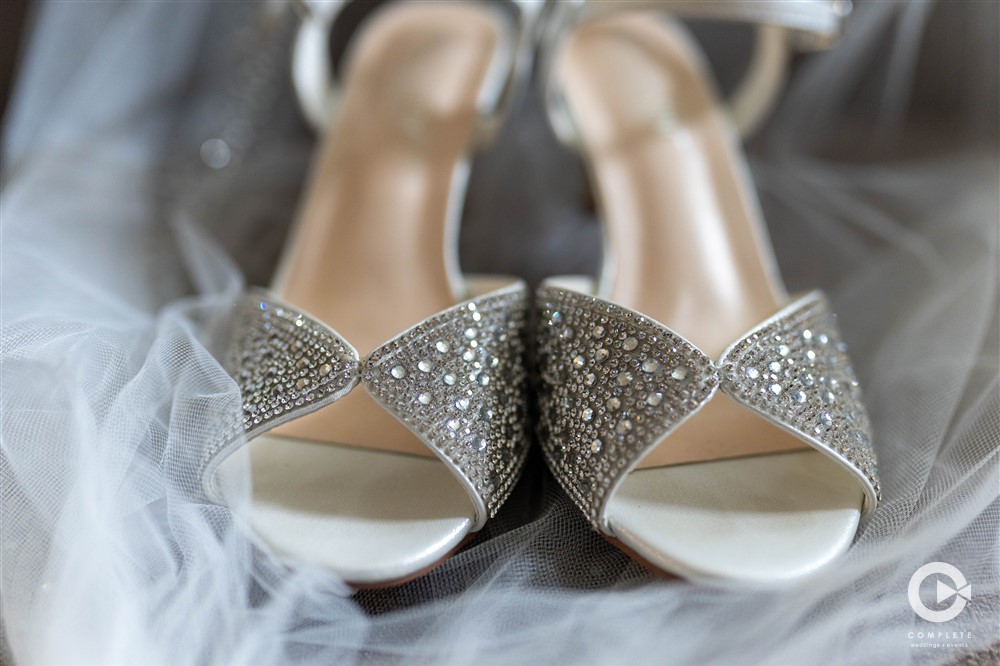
<point x="878" y="176"/>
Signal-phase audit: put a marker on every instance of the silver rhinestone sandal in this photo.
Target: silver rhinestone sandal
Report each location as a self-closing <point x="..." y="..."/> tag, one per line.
<point x="704" y="421"/>
<point x="391" y="388"/>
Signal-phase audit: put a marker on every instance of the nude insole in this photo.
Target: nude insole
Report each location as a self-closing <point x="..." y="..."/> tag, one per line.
<point x="687" y="238"/>
<point x="749" y="520"/>
<point x="368" y="254"/>
<point x="690" y="250"/>
<point x="348" y="486"/>
<point x="371" y="516"/>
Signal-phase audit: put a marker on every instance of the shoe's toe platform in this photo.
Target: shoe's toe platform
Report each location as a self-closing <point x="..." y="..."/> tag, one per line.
<point x="759" y="520"/>
<point x="373" y="517"/>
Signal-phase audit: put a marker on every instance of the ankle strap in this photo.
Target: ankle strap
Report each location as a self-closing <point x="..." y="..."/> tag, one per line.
<point x="813" y="23"/>
<point x="782" y="27"/>
<point x="317" y="86"/>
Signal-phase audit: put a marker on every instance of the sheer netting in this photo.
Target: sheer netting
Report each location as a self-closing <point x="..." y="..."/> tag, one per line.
<point x="153" y="157"/>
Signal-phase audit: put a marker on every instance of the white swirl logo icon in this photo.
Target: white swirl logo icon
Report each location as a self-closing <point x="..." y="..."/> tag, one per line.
<point x="959" y="591"/>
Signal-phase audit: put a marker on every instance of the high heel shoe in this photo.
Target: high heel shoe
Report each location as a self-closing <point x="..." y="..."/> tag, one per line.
<point x="704" y="421"/>
<point x="381" y="482"/>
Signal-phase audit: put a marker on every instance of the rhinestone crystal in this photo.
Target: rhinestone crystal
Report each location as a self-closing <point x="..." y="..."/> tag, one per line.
<point x="791" y="370"/>
<point x="283" y="363"/>
<point x="287" y="364"/>
<point x="816" y="383"/>
<point x="483" y="409"/>
<point x="607" y="406"/>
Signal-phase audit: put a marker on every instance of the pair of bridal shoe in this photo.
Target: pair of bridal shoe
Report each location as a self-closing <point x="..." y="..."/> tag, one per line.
<point x="704" y="421"/>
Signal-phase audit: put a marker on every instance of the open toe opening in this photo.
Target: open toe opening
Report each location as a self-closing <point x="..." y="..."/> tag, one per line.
<point x="761" y="519"/>
<point x="370" y="516"/>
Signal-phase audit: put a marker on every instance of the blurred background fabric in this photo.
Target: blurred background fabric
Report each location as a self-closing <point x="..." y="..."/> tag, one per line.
<point x="153" y="157"/>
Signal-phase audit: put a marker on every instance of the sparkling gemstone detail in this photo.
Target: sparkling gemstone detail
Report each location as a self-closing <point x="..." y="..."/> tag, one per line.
<point x="608" y="401"/>
<point x="398" y="372"/>
<point x="424" y="366"/>
<point x="487" y="453"/>
<point x="771" y="371"/>
<point x="816" y="383"/>
<point x="424" y="398"/>
<point x="283" y="363"/>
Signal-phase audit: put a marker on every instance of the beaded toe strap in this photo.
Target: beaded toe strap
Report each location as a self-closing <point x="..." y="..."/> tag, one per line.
<point x="615" y="383"/>
<point x="456" y="380"/>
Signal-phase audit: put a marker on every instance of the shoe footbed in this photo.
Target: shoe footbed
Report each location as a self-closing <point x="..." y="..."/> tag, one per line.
<point x="373" y="517"/>
<point x="756" y="520"/>
<point x="368" y="257"/>
<point x="690" y="250"/>
<point x="369" y="252"/>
